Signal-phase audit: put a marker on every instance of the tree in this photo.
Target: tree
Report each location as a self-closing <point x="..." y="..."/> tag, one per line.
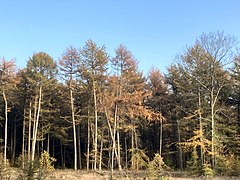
<point x="69" y="65"/>
<point x="7" y="77"/>
<point x="202" y="70"/>
<point x="219" y="49"/>
<point x="93" y="70"/>
<point x="129" y="108"/>
<point x="41" y="72"/>
<point x="159" y="91"/>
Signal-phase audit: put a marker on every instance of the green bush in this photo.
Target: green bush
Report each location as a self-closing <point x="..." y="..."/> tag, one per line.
<point x="41" y="168"/>
<point x="207" y="170"/>
<point x="139" y="159"/>
<point x="194" y="166"/>
<point x="156" y="167"/>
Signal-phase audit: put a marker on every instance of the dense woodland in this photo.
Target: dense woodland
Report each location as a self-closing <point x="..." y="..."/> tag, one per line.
<point x="93" y="111"/>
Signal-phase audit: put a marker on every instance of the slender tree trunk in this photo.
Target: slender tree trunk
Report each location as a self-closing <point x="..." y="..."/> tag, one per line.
<point x="160" y="137"/>
<point x="42" y="142"/>
<point x="6" y="125"/>
<point x="180" y="160"/>
<point x="79" y="147"/>
<point x="74" y="128"/>
<point x="23" y="137"/>
<point x="14" y="141"/>
<point x="132" y="139"/>
<point x="113" y="137"/>
<point x="119" y="151"/>
<point x="213" y="100"/>
<point x="48" y="143"/>
<point x="35" y="114"/>
<point x="118" y="123"/>
<point x="49" y="117"/>
<point x="136" y="144"/>
<point x="101" y="152"/>
<point x="126" y="154"/>
<point x="96" y="126"/>
<point x="37" y="122"/>
<point x="88" y="139"/>
<point x="29" y="130"/>
<point x="11" y="144"/>
<point x="116" y="132"/>
<point x="62" y="154"/>
<point x="135" y="137"/>
<point x="53" y="146"/>
<point x="200" y="125"/>
<point x="93" y="140"/>
<point x="213" y="131"/>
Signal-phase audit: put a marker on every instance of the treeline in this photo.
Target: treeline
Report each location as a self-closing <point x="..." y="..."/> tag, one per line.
<point x="92" y="111"/>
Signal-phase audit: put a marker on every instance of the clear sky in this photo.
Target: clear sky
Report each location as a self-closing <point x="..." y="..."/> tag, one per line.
<point x="153" y="30"/>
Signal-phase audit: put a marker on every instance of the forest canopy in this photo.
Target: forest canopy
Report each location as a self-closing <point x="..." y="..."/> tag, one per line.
<point x="93" y="111"/>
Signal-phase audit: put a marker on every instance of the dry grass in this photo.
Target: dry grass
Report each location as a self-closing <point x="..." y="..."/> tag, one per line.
<point x="69" y="174"/>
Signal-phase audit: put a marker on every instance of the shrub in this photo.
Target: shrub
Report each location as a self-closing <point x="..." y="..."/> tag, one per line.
<point x="4" y="168"/>
<point x="156" y="167"/>
<point x="41" y="168"/>
<point x="139" y="159"/>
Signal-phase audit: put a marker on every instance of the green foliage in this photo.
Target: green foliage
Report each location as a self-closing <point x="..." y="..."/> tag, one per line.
<point x="40" y="168"/>
<point x="194" y="165"/>
<point x="227" y="165"/>
<point x="139" y="159"/>
<point x="46" y="162"/>
<point x="207" y="170"/>
<point x="235" y="167"/>
<point x="156" y="167"/>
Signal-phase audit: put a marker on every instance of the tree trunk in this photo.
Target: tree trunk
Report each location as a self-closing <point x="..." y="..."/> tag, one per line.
<point x="116" y="132"/>
<point x="29" y="130"/>
<point x="180" y="160"/>
<point x="93" y="140"/>
<point x="101" y="152"/>
<point x="74" y="128"/>
<point x="96" y="126"/>
<point x="14" y="141"/>
<point x="62" y="154"/>
<point x="79" y="147"/>
<point x="200" y="125"/>
<point x="36" y="124"/>
<point x="119" y="151"/>
<point x="42" y="141"/>
<point x="160" y="137"/>
<point x="88" y="139"/>
<point x="48" y="143"/>
<point x="23" y="137"/>
<point x="53" y="146"/>
<point x="6" y="125"/>
<point x="112" y="134"/>
<point x="126" y="154"/>
<point x="213" y="132"/>
<point x="132" y="139"/>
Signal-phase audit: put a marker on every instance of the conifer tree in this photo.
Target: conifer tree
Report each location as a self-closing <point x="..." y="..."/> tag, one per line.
<point x="41" y="72"/>
<point x="69" y="66"/>
<point x="93" y="71"/>
<point x="7" y="76"/>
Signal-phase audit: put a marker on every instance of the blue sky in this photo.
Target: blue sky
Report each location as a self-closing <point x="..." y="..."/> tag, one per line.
<point x="155" y="31"/>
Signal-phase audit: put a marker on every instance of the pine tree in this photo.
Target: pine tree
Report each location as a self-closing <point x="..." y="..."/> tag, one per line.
<point x="7" y="78"/>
